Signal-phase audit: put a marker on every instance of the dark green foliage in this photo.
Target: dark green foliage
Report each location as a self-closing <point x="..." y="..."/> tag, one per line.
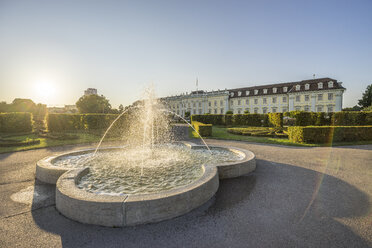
<point x="204" y="130"/>
<point x="64" y="122"/>
<point x="258" y="131"/>
<point x="346" y="118"/>
<point x="97" y="121"/>
<point x="93" y="104"/>
<point x="257" y="120"/>
<point x="366" y="100"/>
<point x="25" y="105"/>
<point x="329" y="134"/>
<point x="13" y="143"/>
<point x="229" y="112"/>
<point x="15" y="122"/>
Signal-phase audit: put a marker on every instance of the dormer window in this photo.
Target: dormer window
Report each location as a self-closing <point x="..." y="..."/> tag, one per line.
<point x="255" y="92"/>
<point x="330" y="84"/>
<point x="307" y="86"/>
<point x="265" y="91"/>
<point x="274" y="90"/>
<point x="247" y="93"/>
<point x="285" y="89"/>
<point x="320" y="85"/>
<point x="239" y="93"/>
<point x="232" y="94"/>
<point x="298" y="87"/>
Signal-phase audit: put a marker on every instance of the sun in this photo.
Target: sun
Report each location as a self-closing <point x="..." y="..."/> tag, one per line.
<point x="45" y="91"/>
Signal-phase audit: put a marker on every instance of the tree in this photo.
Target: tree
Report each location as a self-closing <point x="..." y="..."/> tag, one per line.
<point x="187" y="114"/>
<point x="355" y="108"/>
<point x="93" y="104"/>
<point x="366" y="100"/>
<point x="121" y="108"/>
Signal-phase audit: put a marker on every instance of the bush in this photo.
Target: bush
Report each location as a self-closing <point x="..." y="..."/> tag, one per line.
<point x="350" y="118"/>
<point x="328" y="134"/>
<point x="276" y="119"/>
<point x="98" y="121"/>
<point x="64" y="122"/>
<point x="15" y="122"/>
<point x="258" y="131"/>
<point x="203" y="129"/>
<point x="256" y="120"/>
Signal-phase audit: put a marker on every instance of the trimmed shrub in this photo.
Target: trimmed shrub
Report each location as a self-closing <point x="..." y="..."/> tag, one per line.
<point x="98" y="121"/>
<point x="328" y="134"/>
<point x="15" y="122"/>
<point x="256" y="120"/>
<point x="64" y="122"/>
<point x="349" y="118"/>
<point x="276" y="119"/>
<point x="203" y="129"/>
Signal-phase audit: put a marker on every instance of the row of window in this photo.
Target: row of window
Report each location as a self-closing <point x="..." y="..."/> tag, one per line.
<point x="285" y="89"/>
<point x="285" y="109"/>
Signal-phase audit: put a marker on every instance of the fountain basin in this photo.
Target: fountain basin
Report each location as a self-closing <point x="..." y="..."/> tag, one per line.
<point x="131" y="209"/>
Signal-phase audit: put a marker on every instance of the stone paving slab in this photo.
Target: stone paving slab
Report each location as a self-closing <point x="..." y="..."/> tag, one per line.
<point x="297" y="197"/>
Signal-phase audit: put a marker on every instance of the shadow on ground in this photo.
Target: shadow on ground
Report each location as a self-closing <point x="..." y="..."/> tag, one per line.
<point x="278" y="205"/>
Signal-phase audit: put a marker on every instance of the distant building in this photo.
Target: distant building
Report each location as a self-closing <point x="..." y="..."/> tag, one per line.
<point x="315" y="95"/>
<point x="67" y="109"/>
<point x="90" y="91"/>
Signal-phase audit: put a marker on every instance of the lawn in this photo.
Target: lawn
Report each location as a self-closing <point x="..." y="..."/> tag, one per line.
<point x="221" y="132"/>
<point x="76" y="138"/>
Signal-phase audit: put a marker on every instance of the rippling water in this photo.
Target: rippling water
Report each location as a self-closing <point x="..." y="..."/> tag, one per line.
<point x="143" y="170"/>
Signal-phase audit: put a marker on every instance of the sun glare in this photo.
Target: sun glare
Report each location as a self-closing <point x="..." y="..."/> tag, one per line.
<point x="45" y="91"/>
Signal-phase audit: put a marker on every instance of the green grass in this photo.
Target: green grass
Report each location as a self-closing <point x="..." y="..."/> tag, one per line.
<point x="84" y="137"/>
<point x="219" y="132"/>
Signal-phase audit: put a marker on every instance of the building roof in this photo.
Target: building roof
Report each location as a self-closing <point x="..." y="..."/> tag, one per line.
<point x="313" y="86"/>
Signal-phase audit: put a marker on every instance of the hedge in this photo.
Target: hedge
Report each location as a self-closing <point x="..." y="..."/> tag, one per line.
<point x="254" y="120"/>
<point x="15" y="122"/>
<point x="328" y="134"/>
<point x="70" y="122"/>
<point x="343" y="118"/>
<point x="203" y="129"/>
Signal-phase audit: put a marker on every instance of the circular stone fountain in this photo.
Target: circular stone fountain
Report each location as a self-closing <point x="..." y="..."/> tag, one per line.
<point x="147" y="181"/>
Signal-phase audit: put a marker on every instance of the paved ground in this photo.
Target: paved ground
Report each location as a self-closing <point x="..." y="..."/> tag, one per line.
<point x="297" y="197"/>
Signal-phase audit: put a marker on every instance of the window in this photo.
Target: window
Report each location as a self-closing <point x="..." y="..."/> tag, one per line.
<point x="199" y="104"/>
<point x="255" y="92"/>
<point x="307" y="98"/>
<point x="330" y="84"/>
<point x="215" y="103"/>
<point x="265" y="91"/>
<point x="255" y="110"/>
<point x="264" y="110"/>
<point x="221" y="103"/>
<point x="232" y="94"/>
<point x="298" y="98"/>
<point x="274" y="90"/>
<point x="274" y="110"/>
<point x="247" y="102"/>
<point x="222" y="111"/>
<point x="285" y="89"/>
<point x="274" y="100"/>
<point x="330" y="96"/>
<point x="320" y="97"/>
<point x="319" y="108"/>
<point x="247" y="93"/>
<point x="284" y="109"/>
<point x="239" y="102"/>
<point x="232" y="102"/>
<point x="200" y="111"/>
<point x="284" y="99"/>
<point x="215" y="111"/>
<point x="320" y="85"/>
<point x="307" y="86"/>
<point x="264" y="100"/>
<point x="307" y="108"/>
<point x="239" y="93"/>
<point x="298" y="87"/>
<point x="255" y="101"/>
<point x="209" y="104"/>
<point x="298" y="108"/>
<point x="210" y="111"/>
<point x="330" y="109"/>
<point x="193" y="105"/>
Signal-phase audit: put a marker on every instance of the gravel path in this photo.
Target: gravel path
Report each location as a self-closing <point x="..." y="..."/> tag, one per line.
<point x="297" y="197"/>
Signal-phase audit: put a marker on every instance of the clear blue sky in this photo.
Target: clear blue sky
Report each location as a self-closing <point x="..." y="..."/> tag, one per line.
<point x="119" y="47"/>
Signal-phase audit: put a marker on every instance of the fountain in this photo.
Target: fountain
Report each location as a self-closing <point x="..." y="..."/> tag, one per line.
<point x="149" y="178"/>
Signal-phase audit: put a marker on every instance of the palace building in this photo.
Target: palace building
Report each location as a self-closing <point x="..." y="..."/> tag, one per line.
<point x="315" y="95"/>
